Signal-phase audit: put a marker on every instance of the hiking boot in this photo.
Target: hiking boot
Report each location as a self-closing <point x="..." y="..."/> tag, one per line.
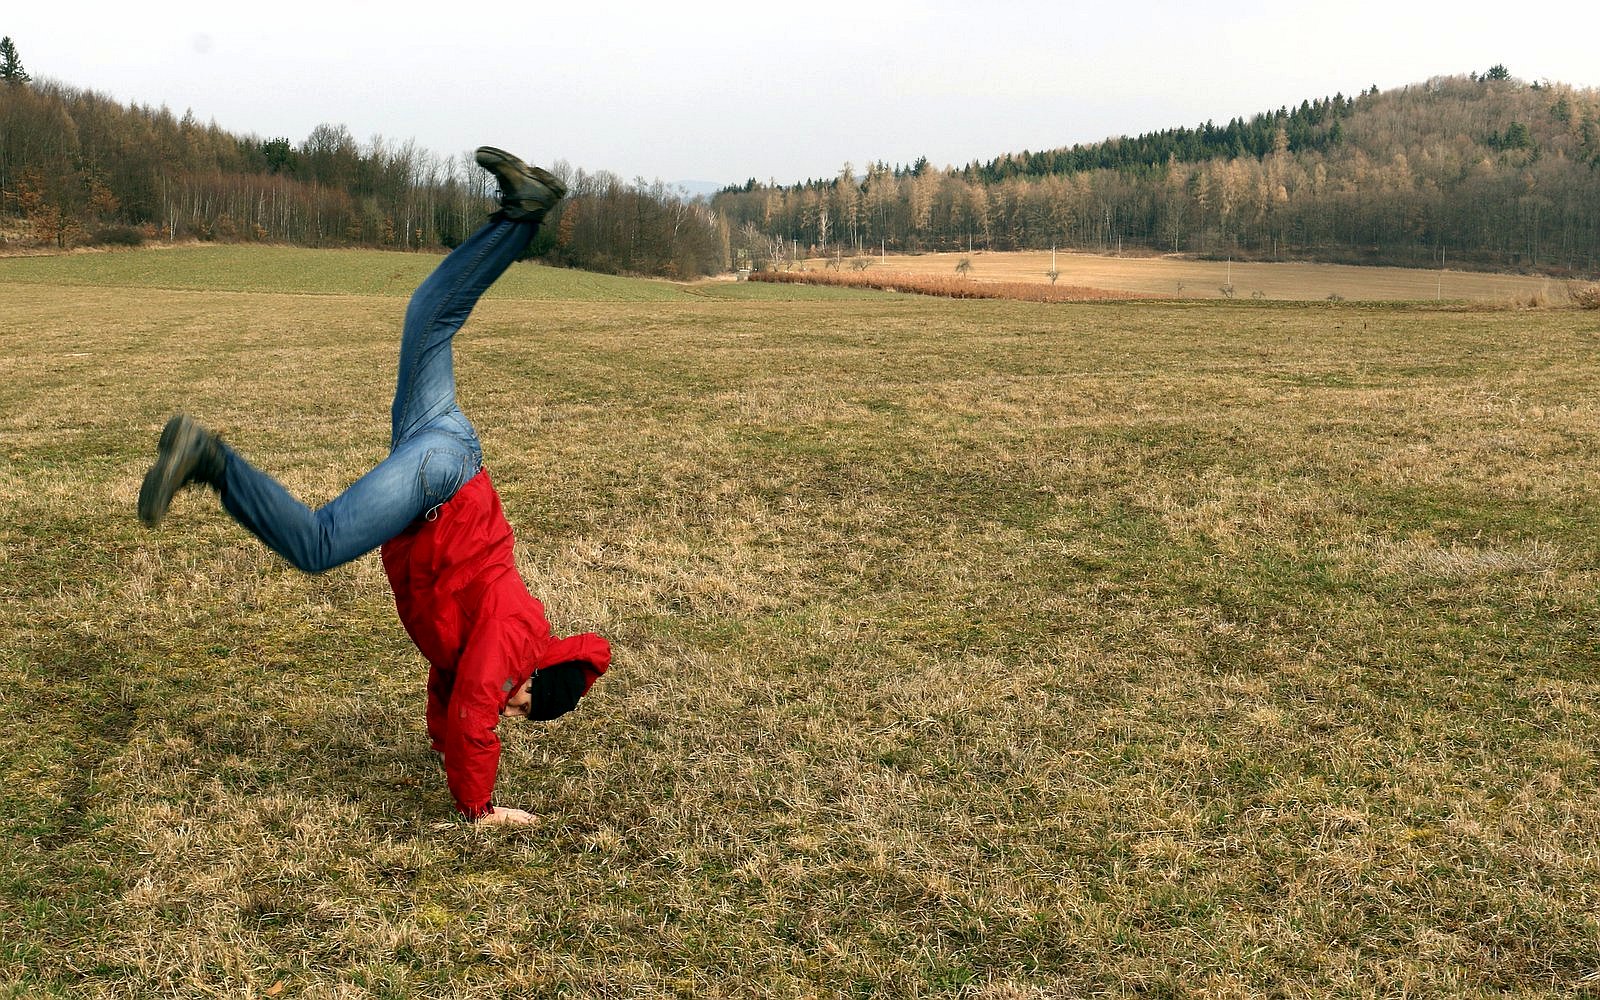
<point x="188" y="453"/>
<point x="526" y="193"/>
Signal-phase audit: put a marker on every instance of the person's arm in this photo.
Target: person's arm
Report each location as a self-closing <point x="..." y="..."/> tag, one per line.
<point x="440" y="682"/>
<point x="467" y="740"/>
<point x="587" y="651"/>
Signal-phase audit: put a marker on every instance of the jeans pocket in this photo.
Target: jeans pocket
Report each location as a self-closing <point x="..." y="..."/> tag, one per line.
<point x="443" y="471"/>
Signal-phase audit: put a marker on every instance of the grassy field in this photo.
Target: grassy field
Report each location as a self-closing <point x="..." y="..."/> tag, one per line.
<point x="1186" y="278"/>
<point x="964" y="649"/>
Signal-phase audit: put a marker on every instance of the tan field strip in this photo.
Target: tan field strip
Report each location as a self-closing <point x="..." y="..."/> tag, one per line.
<point x="1182" y="277"/>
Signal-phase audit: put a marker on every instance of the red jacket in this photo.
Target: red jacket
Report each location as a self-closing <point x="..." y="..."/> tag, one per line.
<point x="459" y="596"/>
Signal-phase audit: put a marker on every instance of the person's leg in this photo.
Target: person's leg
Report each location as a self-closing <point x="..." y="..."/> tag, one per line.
<point x="425" y="388"/>
<point x="424" y="472"/>
<point x="434" y="449"/>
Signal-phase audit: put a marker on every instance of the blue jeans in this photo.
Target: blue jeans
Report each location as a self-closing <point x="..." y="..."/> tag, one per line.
<point x="433" y="448"/>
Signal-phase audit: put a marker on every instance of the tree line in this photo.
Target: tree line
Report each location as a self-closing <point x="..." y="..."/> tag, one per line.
<point x="1479" y="170"/>
<point x="77" y="167"/>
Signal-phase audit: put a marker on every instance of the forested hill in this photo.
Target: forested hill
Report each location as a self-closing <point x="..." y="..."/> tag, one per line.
<point x="1476" y="171"/>
<point x="79" y="168"/>
<point x="1314" y="125"/>
<point x="1486" y="171"/>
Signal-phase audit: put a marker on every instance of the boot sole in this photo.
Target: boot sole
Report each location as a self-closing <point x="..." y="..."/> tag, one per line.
<point x="499" y="157"/>
<point x="170" y="470"/>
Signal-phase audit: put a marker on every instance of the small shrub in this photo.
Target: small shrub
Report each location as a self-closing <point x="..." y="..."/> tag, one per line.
<point x="964" y="266"/>
<point x="1226" y="290"/>
<point x="1585" y="295"/>
<point x="1335" y="297"/>
<point x="117" y="236"/>
<point x="1052" y="274"/>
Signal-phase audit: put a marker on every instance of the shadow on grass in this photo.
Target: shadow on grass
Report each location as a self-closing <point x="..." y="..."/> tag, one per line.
<point x="68" y="713"/>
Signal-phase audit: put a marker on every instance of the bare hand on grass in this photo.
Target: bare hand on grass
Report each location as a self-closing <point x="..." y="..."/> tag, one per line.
<point x="500" y="816"/>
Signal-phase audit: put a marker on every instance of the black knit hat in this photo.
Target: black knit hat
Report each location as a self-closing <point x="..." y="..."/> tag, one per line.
<point x="555" y="690"/>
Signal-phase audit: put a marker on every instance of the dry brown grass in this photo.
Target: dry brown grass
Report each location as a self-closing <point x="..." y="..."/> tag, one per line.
<point x="965" y="649"/>
<point x="1585" y="295"/>
<point x="1187" y="278"/>
<point x="945" y="286"/>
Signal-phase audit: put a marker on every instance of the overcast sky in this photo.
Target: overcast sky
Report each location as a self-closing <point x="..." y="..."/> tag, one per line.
<point x="779" y="89"/>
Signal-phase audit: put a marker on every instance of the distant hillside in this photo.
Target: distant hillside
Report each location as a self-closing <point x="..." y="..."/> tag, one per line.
<point x="1479" y="171"/>
<point x="79" y="168"/>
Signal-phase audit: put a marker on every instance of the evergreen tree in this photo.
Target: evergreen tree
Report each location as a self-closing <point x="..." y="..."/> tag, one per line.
<point x="11" y="70"/>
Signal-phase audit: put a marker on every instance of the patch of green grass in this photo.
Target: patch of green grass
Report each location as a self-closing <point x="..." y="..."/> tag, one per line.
<point x="963" y="648"/>
<point x="293" y="270"/>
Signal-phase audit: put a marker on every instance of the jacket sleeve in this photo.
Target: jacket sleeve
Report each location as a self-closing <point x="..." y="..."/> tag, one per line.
<point x="440" y="683"/>
<point x="588" y="650"/>
<point x="467" y="739"/>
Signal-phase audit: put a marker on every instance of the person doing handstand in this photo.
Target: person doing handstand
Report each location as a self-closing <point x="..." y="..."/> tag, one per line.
<point x="432" y="509"/>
